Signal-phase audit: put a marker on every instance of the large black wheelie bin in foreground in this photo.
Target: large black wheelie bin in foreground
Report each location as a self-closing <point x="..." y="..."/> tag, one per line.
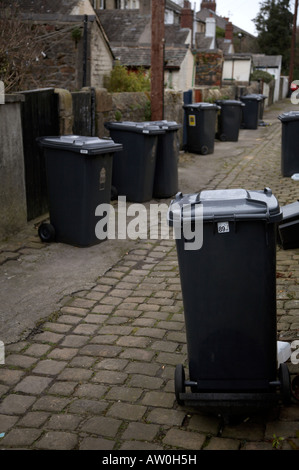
<point x="201" y="127"/>
<point x="134" y="167"/>
<point x="229" y="298"/>
<point x="289" y="143"/>
<point x="251" y="110"/>
<point x="229" y="120"/>
<point x="78" y="171"/>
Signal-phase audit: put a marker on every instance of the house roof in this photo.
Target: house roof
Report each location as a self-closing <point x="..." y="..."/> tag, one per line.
<point x="129" y="34"/>
<point x="221" y="22"/>
<point x="128" y="26"/>
<point x="123" y="26"/>
<point x="63" y="7"/>
<point x="224" y="45"/>
<point x="132" y="56"/>
<point x="270" y="61"/>
<point x="202" y="42"/>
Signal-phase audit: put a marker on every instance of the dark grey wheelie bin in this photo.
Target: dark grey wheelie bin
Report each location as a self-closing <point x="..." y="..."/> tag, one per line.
<point x="289" y="143"/>
<point x="262" y="107"/>
<point x="229" y="298"/>
<point x="251" y="111"/>
<point x="229" y="120"/>
<point x="201" y="127"/>
<point x="168" y="149"/>
<point x="134" y="167"/>
<point x="288" y="228"/>
<point x="79" y="171"/>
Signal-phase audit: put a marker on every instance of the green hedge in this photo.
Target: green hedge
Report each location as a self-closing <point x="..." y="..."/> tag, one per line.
<point x="123" y="80"/>
<point x="261" y="75"/>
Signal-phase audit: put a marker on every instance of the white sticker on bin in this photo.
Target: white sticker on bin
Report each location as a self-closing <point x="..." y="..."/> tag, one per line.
<point x="223" y="227"/>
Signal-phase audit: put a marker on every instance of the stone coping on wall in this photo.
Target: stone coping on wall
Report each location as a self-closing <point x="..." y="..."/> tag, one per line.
<point x="14" y="98"/>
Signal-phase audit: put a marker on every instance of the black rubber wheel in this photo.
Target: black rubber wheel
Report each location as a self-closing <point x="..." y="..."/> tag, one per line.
<point x="46" y="232"/>
<point x="285" y="384"/>
<point x="204" y="150"/>
<point x="114" y="193"/>
<point x="179" y="383"/>
<point x="222" y="137"/>
<point x="295" y="387"/>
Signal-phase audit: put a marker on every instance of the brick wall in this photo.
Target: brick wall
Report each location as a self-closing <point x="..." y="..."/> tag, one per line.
<point x="61" y="60"/>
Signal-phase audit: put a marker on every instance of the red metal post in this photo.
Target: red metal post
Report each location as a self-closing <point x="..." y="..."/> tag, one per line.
<point x="157" y="60"/>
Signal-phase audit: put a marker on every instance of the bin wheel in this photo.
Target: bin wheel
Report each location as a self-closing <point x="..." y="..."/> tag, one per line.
<point x="179" y="383"/>
<point x="46" y="232"/>
<point x="204" y="150"/>
<point x="285" y="383"/>
<point x="114" y="193"/>
<point x="222" y="137"/>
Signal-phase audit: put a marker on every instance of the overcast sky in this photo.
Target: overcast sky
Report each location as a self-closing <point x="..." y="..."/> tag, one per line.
<point x="240" y="12"/>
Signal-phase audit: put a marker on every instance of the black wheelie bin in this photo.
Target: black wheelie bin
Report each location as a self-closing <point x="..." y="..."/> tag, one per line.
<point x="168" y="150"/>
<point x="229" y="298"/>
<point x="289" y="143"/>
<point x="134" y="167"/>
<point x="251" y="110"/>
<point x="262" y="108"/>
<point x="78" y="171"/>
<point x="201" y="127"/>
<point x="229" y="120"/>
<point x="288" y="228"/>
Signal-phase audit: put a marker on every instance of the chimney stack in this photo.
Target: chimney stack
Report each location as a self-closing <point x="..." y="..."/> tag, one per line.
<point x="187" y="16"/>
<point x="229" y="31"/>
<point x="209" y="4"/>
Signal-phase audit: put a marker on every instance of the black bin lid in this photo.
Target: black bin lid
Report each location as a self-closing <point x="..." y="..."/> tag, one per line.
<point x="137" y="127"/>
<point x="202" y="106"/>
<point x="229" y="103"/>
<point x="251" y="97"/>
<point x="166" y="125"/>
<point x="80" y="144"/>
<point x="289" y="116"/>
<point x="226" y="204"/>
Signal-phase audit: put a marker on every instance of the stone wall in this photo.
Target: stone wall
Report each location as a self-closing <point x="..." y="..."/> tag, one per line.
<point x="208" y="68"/>
<point x="68" y="60"/>
<point x="116" y="107"/>
<point x="62" y="55"/>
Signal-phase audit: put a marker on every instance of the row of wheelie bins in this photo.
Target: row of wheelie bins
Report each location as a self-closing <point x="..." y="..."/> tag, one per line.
<point x="222" y="119"/>
<point x="138" y="161"/>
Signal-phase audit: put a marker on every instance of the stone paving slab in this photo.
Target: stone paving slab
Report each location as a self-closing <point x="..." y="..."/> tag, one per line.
<point x="98" y="373"/>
